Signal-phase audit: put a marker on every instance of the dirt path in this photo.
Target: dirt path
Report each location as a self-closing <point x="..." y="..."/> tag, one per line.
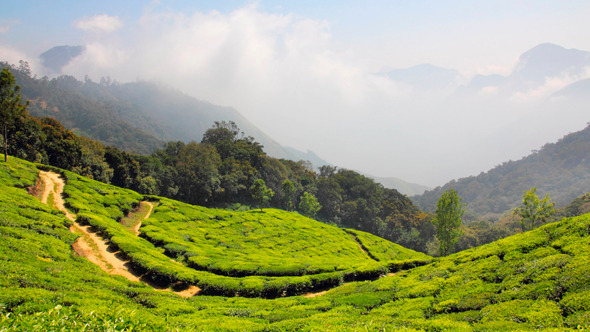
<point x="90" y="245"/>
<point x="147" y="215"/>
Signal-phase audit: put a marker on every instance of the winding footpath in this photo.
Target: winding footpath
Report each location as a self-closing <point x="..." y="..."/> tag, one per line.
<point x="147" y="215"/>
<point x="96" y="249"/>
<point x="89" y="244"/>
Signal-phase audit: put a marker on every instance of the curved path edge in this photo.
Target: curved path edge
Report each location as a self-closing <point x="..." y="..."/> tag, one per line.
<point x="89" y="244"/>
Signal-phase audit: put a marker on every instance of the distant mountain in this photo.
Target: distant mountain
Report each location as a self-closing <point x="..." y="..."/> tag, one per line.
<point x="57" y="57"/>
<point x="533" y="70"/>
<point x="560" y="169"/>
<point x="579" y="89"/>
<point x="550" y="60"/>
<point x="406" y="188"/>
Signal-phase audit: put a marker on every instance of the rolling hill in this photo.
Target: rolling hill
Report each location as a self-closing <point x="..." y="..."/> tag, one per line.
<point x="532" y="281"/>
<point x="561" y="169"/>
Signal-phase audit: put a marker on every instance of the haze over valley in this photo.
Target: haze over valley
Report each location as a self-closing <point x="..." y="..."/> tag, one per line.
<point x="390" y="98"/>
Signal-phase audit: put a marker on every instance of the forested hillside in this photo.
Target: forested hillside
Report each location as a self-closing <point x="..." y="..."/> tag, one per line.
<point x="136" y="117"/>
<point x="561" y="169"/>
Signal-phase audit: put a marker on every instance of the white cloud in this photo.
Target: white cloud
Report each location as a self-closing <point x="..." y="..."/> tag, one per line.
<point x="99" y="23"/>
<point x="13" y="56"/>
<point x="552" y="85"/>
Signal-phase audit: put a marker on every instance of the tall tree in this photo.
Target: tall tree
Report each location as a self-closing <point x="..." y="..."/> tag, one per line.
<point x="449" y="210"/>
<point x="289" y="192"/>
<point x="533" y="210"/>
<point x="261" y="193"/>
<point x="309" y="205"/>
<point x="11" y="107"/>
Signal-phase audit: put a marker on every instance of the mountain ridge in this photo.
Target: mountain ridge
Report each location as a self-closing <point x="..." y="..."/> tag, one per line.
<point x="560" y="169"/>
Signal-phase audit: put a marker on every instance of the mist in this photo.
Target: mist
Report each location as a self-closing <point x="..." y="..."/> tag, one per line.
<point x="298" y="80"/>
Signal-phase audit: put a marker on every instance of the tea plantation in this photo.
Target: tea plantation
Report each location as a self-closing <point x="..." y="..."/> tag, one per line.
<point x="539" y="280"/>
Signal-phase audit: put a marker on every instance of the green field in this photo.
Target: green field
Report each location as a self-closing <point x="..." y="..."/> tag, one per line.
<point x="539" y="280"/>
<point x="269" y="243"/>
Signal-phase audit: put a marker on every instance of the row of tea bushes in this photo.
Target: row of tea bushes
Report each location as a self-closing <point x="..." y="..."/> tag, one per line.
<point x="537" y="281"/>
<point x="152" y="263"/>
<point x="266" y="243"/>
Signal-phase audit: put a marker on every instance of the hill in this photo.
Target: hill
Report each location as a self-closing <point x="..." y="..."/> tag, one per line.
<point x="406" y="188"/>
<point x="532" y="281"/>
<point x="136" y="117"/>
<point x="561" y="169"/>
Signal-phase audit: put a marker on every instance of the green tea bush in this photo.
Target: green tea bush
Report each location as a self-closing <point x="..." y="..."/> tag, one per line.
<point x="514" y="284"/>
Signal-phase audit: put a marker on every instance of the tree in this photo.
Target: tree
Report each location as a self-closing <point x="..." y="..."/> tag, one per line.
<point x="309" y="205"/>
<point x="261" y="193"/>
<point x="449" y="210"/>
<point x="11" y="107"/>
<point x="289" y="191"/>
<point x="533" y="210"/>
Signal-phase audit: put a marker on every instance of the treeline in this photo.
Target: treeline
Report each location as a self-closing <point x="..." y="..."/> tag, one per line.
<point x="220" y="170"/>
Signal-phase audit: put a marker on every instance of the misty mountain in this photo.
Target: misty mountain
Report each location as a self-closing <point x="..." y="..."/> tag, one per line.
<point x="406" y="188"/>
<point x="550" y="60"/>
<point x="138" y="116"/>
<point x="579" y="89"/>
<point x="57" y="57"/>
<point x="534" y="69"/>
<point x="561" y="169"/>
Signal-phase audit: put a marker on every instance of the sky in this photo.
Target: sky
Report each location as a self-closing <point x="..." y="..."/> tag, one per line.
<point x="309" y="73"/>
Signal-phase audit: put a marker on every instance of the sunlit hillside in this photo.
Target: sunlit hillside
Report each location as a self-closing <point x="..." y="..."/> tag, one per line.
<point x="537" y="280"/>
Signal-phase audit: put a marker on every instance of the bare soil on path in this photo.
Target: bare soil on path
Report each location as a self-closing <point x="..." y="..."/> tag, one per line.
<point x="89" y="244"/>
<point x="147" y="215"/>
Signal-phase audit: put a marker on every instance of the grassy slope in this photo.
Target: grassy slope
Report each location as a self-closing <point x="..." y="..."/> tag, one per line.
<point x="267" y="254"/>
<point x="536" y="280"/>
<point x="270" y="242"/>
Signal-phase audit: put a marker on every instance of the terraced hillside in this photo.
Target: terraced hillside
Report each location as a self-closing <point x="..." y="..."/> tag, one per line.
<point x="269" y="253"/>
<point x="539" y="280"/>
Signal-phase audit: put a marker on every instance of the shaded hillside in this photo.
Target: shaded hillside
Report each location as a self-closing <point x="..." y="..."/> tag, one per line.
<point x="537" y="280"/>
<point x="400" y="185"/>
<point x="560" y="169"/>
<point x="96" y="119"/>
<point x="137" y="116"/>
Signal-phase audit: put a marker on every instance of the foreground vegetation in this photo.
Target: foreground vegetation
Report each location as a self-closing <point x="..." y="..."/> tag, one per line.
<point x="268" y="253"/>
<point x="538" y="280"/>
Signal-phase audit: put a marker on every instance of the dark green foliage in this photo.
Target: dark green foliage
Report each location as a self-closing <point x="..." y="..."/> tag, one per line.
<point x="11" y="107"/>
<point x="534" y="210"/>
<point x="449" y="210"/>
<point x="261" y="194"/>
<point x="577" y="207"/>
<point x="557" y="169"/>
